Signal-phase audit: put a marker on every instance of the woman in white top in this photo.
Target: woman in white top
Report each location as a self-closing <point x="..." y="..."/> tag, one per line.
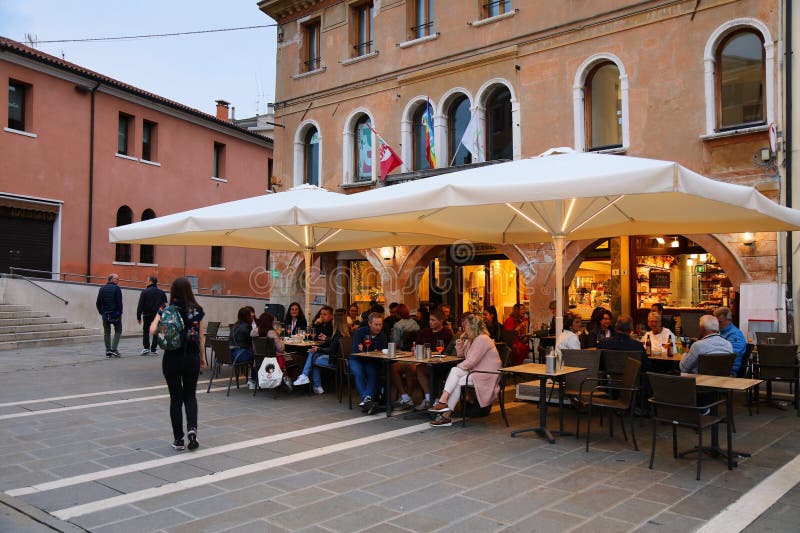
<point x="658" y="335"/>
<point x="569" y="340"/>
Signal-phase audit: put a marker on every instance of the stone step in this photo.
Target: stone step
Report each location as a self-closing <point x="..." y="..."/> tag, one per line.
<point x="30" y="328"/>
<point x="15" y="307"/>
<point x="22" y="314"/>
<point x="31" y="321"/>
<point x="37" y="335"/>
<point x="55" y="341"/>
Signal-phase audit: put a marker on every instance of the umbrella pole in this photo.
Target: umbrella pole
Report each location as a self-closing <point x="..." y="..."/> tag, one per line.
<point x="558" y="242"/>
<point x="307" y="257"/>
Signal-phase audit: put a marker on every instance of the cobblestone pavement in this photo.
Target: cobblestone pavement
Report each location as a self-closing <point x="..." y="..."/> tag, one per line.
<point x="102" y="462"/>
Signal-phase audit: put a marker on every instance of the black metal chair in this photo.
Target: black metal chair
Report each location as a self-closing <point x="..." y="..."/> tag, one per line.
<point x="716" y="364"/>
<point x="778" y="362"/>
<point x="345" y="346"/>
<point x="505" y="356"/>
<point x="780" y="338"/>
<point x="212" y="330"/>
<point x="674" y="402"/>
<point x="222" y="356"/>
<point x="626" y="390"/>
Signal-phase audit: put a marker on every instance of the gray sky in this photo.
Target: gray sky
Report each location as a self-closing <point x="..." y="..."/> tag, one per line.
<point x="195" y="70"/>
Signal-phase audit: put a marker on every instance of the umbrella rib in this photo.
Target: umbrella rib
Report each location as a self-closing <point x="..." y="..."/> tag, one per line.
<point x="286" y="236"/>
<point x="544" y="219"/>
<point x="434" y="212"/>
<point x="526" y="217"/>
<point x="614" y="201"/>
<point x="328" y="236"/>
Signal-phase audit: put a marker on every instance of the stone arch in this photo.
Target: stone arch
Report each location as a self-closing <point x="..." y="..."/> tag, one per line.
<point x="480" y="109"/>
<point x="407" y="144"/>
<point x="348" y="146"/>
<point x="578" y="99"/>
<point x="442" y="124"/>
<point x="299" y="141"/>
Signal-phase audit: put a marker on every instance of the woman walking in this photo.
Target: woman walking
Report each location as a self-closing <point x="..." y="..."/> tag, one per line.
<point x="182" y="365"/>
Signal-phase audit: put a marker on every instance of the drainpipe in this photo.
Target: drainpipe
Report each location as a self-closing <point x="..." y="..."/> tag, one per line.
<point x="788" y="150"/>
<point x="91" y="188"/>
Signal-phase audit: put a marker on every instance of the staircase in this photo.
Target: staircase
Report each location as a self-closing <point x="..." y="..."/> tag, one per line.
<point x="21" y="327"/>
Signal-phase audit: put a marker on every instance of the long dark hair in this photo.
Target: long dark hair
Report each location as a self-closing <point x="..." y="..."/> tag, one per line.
<point x="492" y="310"/>
<point x="300" y="316"/>
<point x="243" y="316"/>
<point x="182" y="289"/>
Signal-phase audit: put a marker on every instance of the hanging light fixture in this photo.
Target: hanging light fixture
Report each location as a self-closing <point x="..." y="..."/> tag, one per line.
<point x="661" y="241"/>
<point x="693" y="256"/>
<point x="675" y="243"/>
<point x="703" y="258"/>
<point x="689" y="262"/>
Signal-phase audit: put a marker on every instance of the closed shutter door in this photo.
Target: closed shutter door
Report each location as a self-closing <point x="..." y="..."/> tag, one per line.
<point x="26" y="243"/>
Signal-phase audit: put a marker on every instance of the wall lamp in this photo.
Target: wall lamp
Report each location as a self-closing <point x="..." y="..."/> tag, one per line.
<point x="387" y="253"/>
<point x="748" y="238"/>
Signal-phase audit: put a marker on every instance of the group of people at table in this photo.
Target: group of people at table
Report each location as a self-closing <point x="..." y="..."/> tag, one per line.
<point x="475" y="341"/>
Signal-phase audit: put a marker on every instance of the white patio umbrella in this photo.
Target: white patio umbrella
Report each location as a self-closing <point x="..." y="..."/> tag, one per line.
<point x="276" y="221"/>
<point x="560" y="196"/>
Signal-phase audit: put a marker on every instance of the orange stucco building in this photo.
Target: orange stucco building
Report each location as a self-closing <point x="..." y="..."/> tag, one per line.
<point x="697" y="83"/>
<point x="81" y="152"/>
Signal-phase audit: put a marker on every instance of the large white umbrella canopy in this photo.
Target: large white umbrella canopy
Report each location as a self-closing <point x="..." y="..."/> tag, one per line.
<point x="278" y="221"/>
<point x="559" y="196"/>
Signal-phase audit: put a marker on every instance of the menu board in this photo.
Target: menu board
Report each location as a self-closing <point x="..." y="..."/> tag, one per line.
<point x="659" y="279"/>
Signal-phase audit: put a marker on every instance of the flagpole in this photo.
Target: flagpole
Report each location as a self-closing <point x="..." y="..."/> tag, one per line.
<point x="460" y="144"/>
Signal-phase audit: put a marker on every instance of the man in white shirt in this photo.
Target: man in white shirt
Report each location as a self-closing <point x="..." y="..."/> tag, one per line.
<point x="658" y="335"/>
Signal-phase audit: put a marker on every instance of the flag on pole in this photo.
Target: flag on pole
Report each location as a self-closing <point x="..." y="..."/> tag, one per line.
<point x="472" y="138"/>
<point x="388" y="159"/>
<point x="427" y="121"/>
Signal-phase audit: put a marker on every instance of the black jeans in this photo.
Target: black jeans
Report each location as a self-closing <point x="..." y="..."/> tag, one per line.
<point x="181" y="370"/>
<point x="147" y="343"/>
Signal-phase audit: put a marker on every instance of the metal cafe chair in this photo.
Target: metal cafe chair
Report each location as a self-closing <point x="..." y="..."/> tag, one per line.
<point x="778" y="362"/>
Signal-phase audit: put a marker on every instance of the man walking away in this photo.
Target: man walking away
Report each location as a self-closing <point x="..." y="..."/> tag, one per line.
<point x="109" y="305"/>
<point x="150" y="301"/>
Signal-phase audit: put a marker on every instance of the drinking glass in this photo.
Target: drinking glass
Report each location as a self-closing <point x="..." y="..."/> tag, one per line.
<point x="440" y="346"/>
<point x="301" y="334"/>
<point x="311" y="335"/>
<point x="278" y="327"/>
<point x="367" y="342"/>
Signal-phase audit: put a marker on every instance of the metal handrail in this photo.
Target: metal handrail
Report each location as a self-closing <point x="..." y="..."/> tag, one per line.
<point x="87" y="278"/>
<point x="54" y="295"/>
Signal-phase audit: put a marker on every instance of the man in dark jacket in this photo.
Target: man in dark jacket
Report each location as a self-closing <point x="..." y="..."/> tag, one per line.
<point x="109" y="305"/>
<point x="150" y="301"/>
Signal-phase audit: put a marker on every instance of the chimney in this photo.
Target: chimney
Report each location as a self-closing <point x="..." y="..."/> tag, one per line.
<point x="222" y="109"/>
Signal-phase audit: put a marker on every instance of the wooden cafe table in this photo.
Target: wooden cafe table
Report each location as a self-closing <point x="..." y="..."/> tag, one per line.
<point x="727" y="385"/>
<point x="431" y="362"/>
<point x="388" y="361"/>
<point x="540" y="371"/>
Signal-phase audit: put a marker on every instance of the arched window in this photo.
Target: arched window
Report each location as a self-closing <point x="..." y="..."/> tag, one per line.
<point x="419" y="139"/>
<point x="741" y="81"/>
<point x="362" y="156"/>
<point x="603" y="114"/>
<point x="458" y="117"/>
<point x="147" y="252"/>
<point x="122" y="253"/>
<point x="311" y="157"/>
<point x="499" y="137"/>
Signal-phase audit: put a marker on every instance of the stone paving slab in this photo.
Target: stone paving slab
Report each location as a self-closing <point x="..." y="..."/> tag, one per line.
<point x="446" y="479"/>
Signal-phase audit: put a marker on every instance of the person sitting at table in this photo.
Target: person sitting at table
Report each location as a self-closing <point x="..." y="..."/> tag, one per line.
<point x="710" y="342"/>
<point x="404" y="325"/>
<point x="568" y="340"/>
<point x="323" y="324"/>
<point x="658" y="335"/>
<point x="365" y="372"/>
<point x="517" y="323"/>
<point x="479" y="353"/>
<point x="666" y="320"/>
<point x="353" y="318"/>
<point x="733" y="335"/>
<point x="621" y="339"/>
<point x="241" y="344"/>
<point x="264" y="326"/>
<point x="295" y="319"/>
<point x="492" y="324"/>
<point x="321" y="355"/>
<point x="422" y="316"/>
<point x="600" y="328"/>
<point x="431" y="335"/>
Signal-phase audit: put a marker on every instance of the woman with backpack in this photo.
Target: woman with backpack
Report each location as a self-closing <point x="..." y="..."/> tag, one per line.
<point x="181" y="364"/>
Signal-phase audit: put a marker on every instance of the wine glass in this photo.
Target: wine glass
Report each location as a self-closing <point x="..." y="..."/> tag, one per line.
<point x="367" y="342"/>
<point x="311" y="334"/>
<point x="278" y="327"/>
<point x="440" y="346"/>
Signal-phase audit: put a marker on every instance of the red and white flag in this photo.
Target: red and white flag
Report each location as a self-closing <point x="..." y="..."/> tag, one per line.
<point x="388" y="159"/>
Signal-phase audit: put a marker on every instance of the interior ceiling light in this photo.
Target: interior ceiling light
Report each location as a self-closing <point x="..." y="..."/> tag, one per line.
<point x="661" y="241"/>
<point x="690" y="261"/>
<point x="675" y="243"/>
<point x="703" y="258"/>
<point x="693" y="256"/>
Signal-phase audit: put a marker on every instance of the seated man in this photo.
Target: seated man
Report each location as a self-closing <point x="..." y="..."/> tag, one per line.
<point x="323" y="325"/>
<point x="658" y="335"/>
<point x="364" y="371"/>
<point x="733" y="335"/>
<point x="621" y="339"/>
<point x="710" y="342"/>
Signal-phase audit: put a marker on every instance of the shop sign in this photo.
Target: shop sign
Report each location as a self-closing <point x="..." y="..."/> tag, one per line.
<point x="699" y="269"/>
<point x="659" y="279"/>
<point x="276" y="274"/>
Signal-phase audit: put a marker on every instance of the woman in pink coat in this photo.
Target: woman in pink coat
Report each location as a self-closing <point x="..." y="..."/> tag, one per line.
<point x="480" y="354"/>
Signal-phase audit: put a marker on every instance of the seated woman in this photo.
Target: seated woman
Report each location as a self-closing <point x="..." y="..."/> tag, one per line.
<point x="569" y="340"/>
<point x="353" y="318"/>
<point x="492" y="324"/>
<point x="322" y="355"/>
<point x="518" y="323"/>
<point x="241" y="343"/>
<point x="480" y="354"/>
<point x="600" y="328"/>
<point x="295" y="319"/>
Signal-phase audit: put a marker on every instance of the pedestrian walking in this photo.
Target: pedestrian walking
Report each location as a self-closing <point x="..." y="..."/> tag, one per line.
<point x="109" y="305"/>
<point x="150" y="301"/>
<point x="181" y="363"/>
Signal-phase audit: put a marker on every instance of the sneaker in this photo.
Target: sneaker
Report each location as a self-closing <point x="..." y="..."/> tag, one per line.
<point x="400" y="405"/>
<point x="440" y="407"/>
<point x="178" y="445"/>
<point x="318" y="390"/>
<point x="288" y="382"/>
<point x="442" y="421"/>
<point x="372" y="407"/>
<point x="115" y="353"/>
<point x="153" y="352"/>
<point x="302" y="379"/>
<point x="365" y="403"/>
<point x="192" y="435"/>
<point x="145" y="351"/>
<point x="109" y="354"/>
<point x="250" y="385"/>
<point x="424" y="405"/>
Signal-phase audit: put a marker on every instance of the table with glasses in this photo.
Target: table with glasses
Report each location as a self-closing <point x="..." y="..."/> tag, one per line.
<point x="540" y="371"/>
<point x="388" y="361"/>
<point x="432" y="362"/>
<point x="726" y="385"/>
